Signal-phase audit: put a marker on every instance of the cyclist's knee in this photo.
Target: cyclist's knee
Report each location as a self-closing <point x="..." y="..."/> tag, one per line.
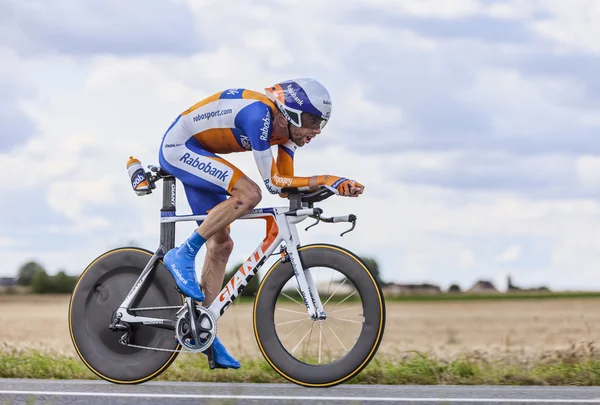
<point x="254" y="197"/>
<point x="247" y="194"/>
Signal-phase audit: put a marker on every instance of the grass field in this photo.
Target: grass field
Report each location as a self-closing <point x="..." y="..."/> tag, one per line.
<point x="449" y="338"/>
<point x="440" y="328"/>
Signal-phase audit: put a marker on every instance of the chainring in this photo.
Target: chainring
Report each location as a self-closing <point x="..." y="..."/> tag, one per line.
<point x="206" y="329"/>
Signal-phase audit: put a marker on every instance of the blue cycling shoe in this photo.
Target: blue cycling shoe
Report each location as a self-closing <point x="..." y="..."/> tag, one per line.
<point x="181" y="264"/>
<point x="222" y="358"/>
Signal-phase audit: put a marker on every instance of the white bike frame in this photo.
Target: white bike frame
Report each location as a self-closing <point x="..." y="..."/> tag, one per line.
<point x="280" y="228"/>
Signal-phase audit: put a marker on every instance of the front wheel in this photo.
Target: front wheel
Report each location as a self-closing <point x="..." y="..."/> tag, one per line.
<point x="327" y="352"/>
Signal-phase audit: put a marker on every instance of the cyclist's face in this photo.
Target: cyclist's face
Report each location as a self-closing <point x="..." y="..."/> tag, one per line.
<point x="311" y="127"/>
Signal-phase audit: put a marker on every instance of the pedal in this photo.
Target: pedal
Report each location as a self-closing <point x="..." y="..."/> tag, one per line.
<point x="211" y="359"/>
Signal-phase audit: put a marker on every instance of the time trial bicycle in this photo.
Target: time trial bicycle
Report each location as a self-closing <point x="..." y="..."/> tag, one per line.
<point x="319" y="314"/>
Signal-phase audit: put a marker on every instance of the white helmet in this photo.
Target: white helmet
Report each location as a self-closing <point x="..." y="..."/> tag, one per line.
<point x="293" y="97"/>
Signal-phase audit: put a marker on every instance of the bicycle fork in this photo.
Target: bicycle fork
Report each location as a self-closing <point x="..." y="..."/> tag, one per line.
<point x="306" y="284"/>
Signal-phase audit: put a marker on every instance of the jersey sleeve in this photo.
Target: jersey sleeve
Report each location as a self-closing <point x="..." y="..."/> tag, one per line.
<point x="285" y="158"/>
<point x="256" y="121"/>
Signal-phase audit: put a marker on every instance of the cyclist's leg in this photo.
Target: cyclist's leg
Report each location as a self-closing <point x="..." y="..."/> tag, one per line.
<point x="210" y="178"/>
<point x="218" y="250"/>
<point x="218" y="246"/>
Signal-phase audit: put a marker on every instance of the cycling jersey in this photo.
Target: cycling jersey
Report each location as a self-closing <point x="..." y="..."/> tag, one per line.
<point x="235" y="120"/>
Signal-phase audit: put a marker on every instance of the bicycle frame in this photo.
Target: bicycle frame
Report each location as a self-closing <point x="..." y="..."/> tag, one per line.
<point x="280" y="228"/>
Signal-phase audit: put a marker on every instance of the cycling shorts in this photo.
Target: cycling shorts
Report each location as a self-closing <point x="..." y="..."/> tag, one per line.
<point x="206" y="177"/>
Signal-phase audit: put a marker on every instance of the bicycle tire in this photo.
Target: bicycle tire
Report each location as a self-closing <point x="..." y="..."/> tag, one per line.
<point x="289" y="367"/>
<point x="99" y="291"/>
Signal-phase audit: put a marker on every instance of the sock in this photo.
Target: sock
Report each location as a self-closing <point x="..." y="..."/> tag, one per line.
<point x="193" y="244"/>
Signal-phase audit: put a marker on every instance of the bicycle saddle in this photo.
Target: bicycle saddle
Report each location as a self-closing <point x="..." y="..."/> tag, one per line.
<point x="160" y="172"/>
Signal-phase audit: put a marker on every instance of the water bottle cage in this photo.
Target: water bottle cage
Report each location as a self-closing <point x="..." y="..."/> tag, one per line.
<point x="150" y="181"/>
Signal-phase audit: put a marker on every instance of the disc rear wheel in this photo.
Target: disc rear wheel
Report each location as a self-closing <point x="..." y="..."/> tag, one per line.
<point x="100" y="290"/>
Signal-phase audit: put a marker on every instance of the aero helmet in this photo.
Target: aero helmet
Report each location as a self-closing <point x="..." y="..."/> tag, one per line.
<point x="293" y="97"/>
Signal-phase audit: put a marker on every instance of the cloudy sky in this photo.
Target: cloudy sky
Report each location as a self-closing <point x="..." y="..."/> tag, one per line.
<point x="473" y="124"/>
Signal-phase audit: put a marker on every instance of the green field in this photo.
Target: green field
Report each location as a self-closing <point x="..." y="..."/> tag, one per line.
<point x="579" y="366"/>
<point x="517" y="338"/>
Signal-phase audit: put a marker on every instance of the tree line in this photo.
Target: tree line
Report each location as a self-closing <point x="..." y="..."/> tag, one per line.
<point x="34" y="276"/>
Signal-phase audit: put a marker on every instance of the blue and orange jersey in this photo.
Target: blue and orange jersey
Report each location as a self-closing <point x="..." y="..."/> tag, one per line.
<point x="239" y="120"/>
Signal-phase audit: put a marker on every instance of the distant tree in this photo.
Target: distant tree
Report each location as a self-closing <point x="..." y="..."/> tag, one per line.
<point x="41" y="282"/>
<point x="373" y="267"/>
<point x="251" y="289"/>
<point x="61" y="283"/>
<point x="27" y="272"/>
<point x="509" y="284"/>
<point x="454" y="288"/>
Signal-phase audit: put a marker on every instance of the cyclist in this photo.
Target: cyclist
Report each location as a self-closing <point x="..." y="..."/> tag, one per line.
<point x="236" y="120"/>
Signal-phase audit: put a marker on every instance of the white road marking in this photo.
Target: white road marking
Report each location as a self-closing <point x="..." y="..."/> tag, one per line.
<point x="299" y="398"/>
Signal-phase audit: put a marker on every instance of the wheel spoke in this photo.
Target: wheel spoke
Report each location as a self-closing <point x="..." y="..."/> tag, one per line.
<point x="303" y="337"/>
<point x="336" y="336"/>
<point x="335" y="326"/>
<point x="345" y="320"/>
<point x="293" y="299"/>
<point x="341" y="310"/>
<point x="327" y="344"/>
<point x="308" y="341"/>
<point x="329" y="286"/>
<point x="288" y="322"/>
<point x="320" y="337"/>
<point x="293" y="312"/>
<point x="295" y="329"/>
<point x="342" y="301"/>
<point x="336" y="290"/>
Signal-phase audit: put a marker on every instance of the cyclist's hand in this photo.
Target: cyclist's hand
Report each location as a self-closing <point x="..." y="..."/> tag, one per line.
<point x="344" y="186"/>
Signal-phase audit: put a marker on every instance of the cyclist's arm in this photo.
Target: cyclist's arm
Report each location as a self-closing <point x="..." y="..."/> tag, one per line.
<point x="285" y="158"/>
<point x="255" y="121"/>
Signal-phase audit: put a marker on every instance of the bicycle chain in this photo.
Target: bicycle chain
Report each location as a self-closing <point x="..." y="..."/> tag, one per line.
<point x="159" y="349"/>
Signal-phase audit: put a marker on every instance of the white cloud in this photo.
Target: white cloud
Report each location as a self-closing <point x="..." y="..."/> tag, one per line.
<point x="513" y="9"/>
<point x="572" y="24"/>
<point x="96" y="26"/>
<point x="588" y="171"/>
<point x="446" y="9"/>
<point x="5" y="241"/>
<point x="92" y="112"/>
<point x="511" y="254"/>
<point x="15" y="88"/>
<point x="526" y="105"/>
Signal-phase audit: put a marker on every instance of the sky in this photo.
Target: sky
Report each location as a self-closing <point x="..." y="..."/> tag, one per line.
<point x="473" y="125"/>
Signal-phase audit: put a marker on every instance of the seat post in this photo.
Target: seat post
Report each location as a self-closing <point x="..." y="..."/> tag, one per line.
<point x="167" y="229"/>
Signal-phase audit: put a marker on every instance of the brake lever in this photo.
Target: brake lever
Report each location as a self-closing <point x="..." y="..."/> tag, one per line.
<point x="351" y="229"/>
<point x="315" y="224"/>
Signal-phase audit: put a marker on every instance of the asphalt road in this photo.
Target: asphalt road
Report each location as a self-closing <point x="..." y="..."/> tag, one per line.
<point x="55" y="392"/>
